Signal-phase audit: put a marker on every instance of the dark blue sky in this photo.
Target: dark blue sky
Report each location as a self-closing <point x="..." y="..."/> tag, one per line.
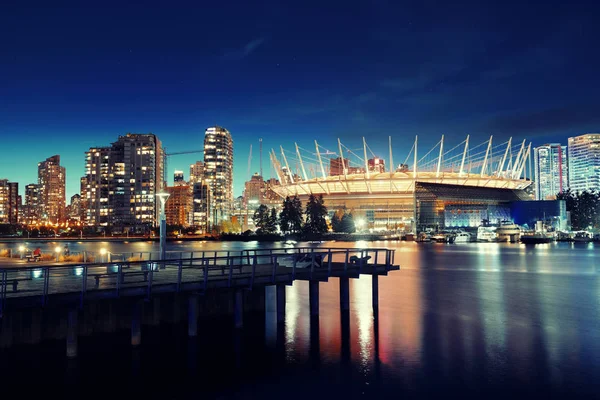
<point x="75" y="75"/>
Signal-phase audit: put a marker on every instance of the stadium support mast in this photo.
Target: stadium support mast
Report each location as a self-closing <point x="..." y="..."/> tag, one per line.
<point x="287" y="166"/>
<point x="343" y="164"/>
<point x="523" y="161"/>
<point x="276" y="165"/>
<point x="320" y="160"/>
<point x="517" y="162"/>
<point x="415" y="162"/>
<point x="487" y="153"/>
<point x="392" y="169"/>
<point x="301" y="163"/>
<point x="462" y="163"/>
<point x="437" y="174"/>
<point x="504" y="158"/>
<point x="366" y="161"/>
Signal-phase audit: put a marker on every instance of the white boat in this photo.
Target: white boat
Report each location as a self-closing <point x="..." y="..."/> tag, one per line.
<point x="487" y="234"/>
<point x="462" y="237"/>
<point x="508" y="232"/>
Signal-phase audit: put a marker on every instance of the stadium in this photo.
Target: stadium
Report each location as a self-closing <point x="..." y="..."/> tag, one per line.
<point x="455" y="188"/>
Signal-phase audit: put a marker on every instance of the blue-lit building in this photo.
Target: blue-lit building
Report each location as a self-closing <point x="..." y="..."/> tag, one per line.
<point x="553" y="212"/>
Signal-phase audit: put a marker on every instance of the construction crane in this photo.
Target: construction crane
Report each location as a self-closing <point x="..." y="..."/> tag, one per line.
<point x="167" y="155"/>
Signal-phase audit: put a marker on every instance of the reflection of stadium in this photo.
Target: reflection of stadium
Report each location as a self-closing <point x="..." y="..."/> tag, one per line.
<point x="459" y="187"/>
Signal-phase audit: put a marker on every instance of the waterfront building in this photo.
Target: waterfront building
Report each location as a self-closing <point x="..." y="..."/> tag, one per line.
<point x="122" y="181"/>
<point x="196" y="172"/>
<point x="452" y="189"/>
<point x="201" y="207"/>
<point x="584" y="162"/>
<point x="51" y="180"/>
<point x="178" y="208"/>
<point x="376" y="164"/>
<point x="31" y="212"/>
<point x="254" y="192"/>
<point x="9" y="202"/>
<point x="218" y="170"/>
<point x="550" y="166"/>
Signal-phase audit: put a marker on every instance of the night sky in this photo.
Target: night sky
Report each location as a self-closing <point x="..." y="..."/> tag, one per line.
<point x="79" y="75"/>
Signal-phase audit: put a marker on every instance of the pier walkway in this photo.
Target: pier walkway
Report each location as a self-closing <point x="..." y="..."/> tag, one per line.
<point x="33" y="284"/>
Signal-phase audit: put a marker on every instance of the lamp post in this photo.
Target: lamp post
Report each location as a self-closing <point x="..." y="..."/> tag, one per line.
<point x="21" y="250"/>
<point x="57" y="250"/>
<point x="163" y="196"/>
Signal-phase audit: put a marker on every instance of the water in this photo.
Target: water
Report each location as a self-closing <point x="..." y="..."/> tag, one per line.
<point x="462" y="320"/>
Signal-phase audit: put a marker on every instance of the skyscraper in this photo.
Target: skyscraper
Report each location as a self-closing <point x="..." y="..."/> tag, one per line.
<point x="218" y="170"/>
<point x="122" y="180"/>
<point x="196" y="172"/>
<point x="550" y="163"/>
<point x="254" y="192"/>
<point x="51" y="179"/>
<point x="584" y="162"/>
<point x="32" y="204"/>
<point x="9" y="202"/>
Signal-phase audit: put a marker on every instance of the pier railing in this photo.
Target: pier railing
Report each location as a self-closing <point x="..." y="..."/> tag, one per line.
<point x="187" y="271"/>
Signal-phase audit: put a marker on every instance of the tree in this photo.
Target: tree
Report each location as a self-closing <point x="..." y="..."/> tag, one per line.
<point x="315" y="215"/>
<point x="261" y="219"/>
<point x="584" y="208"/>
<point x="290" y="218"/>
<point x="347" y="223"/>
<point x="272" y="224"/>
<point x="336" y="220"/>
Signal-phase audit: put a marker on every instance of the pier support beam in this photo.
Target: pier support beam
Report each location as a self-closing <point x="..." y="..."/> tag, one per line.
<point x="313" y="294"/>
<point x="72" y="333"/>
<point x="280" y="303"/>
<point x="344" y="294"/>
<point x="238" y="308"/>
<point x="193" y="315"/>
<point x="375" y="290"/>
<point x="136" y="324"/>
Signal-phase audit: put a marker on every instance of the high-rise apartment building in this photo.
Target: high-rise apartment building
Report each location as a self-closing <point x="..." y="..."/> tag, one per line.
<point x="584" y="162"/>
<point x="9" y="202"/>
<point x="31" y="212"/>
<point x="196" y="172"/>
<point x="201" y="207"/>
<point x="51" y="179"/>
<point x="178" y="208"/>
<point x="122" y="181"/>
<point x="218" y="170"/>
<point x="74" y="210"/>
<point x="376" y="165"/>
<point x="550" y="165"/>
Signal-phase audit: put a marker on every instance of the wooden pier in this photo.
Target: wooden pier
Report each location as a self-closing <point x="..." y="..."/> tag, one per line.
<point x="26" y="285"/>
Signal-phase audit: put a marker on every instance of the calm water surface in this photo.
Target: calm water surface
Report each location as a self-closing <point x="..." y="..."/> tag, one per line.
<point x="462" y="320"/>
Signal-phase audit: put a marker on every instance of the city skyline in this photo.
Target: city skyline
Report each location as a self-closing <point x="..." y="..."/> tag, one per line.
<point x="395" y="69"/>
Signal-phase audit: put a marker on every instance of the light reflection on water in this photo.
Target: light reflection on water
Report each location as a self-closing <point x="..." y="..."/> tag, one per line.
<point x="456" y="319"/>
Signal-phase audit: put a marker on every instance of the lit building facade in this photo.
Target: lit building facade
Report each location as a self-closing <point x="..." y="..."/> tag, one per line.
<point x="254" y="192"/>
<point x="196" y="172"/>
<point x="201" y="207"/>
<point x="9" y="202"/>
<point x="51" y="179"/>
<point x="31" y="209"/>
<point x="122" y="180"/>
<point x="550" y="166"/>
<point x="584" y="162"/>
<point x="218" y="170"/>
<point x="178" y="178"/>
<point x="178" y="208"/>
<point x="74" y="208"/>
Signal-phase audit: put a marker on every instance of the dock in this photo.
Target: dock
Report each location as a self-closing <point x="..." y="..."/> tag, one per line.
<point x="71" y="286"/>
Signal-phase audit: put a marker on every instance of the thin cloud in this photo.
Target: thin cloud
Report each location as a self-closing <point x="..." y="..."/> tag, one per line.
<point x="244" y="51"/>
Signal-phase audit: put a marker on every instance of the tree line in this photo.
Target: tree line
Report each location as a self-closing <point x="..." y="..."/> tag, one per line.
<point x="584" y="208"/>
<point x="295" y="219"/>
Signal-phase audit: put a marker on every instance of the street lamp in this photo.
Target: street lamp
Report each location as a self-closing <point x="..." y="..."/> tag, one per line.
<point x="163" y="196"/>
<point x="360" y="223"/>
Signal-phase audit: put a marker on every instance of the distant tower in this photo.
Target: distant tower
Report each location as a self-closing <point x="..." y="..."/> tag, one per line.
<point x="218" y="171"/>
<point x="51" y="180"/>
<point x="584" y="162"/>
<point x="550" y="163"/>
